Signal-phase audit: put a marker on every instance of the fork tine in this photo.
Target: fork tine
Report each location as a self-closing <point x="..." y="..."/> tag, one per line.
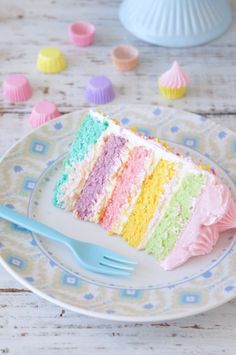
<point x="115" y="257"/>
<point x="87" y="254"/>
<point x="115" y="265"/>
<point x="111" y="271"/>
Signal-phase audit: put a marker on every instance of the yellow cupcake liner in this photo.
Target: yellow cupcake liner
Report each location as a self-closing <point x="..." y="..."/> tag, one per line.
<point x="51" y="60"/>
<point x="172" y="94"/>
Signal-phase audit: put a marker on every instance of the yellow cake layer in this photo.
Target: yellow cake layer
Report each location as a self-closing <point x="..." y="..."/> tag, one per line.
<point x="152" y="191"/>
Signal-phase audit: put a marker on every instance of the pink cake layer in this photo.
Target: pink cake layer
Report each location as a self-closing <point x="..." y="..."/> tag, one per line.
<point x="125" y="181"/>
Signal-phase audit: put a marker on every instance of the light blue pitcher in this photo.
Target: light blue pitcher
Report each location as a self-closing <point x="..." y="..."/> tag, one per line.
<point x="176" y="23"/>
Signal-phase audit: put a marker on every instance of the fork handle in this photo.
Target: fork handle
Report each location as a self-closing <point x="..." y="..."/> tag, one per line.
<point x="32" y="225"/>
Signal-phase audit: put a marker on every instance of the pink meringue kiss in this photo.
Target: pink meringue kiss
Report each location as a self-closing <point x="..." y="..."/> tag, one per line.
<point x="16" y="88"/>
<point x="81" y="34"/>
<point x="43" y="112"/>
<point x="173" y="83"/>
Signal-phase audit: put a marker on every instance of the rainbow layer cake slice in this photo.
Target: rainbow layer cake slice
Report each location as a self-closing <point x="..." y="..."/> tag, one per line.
<point x="134" y="187"/>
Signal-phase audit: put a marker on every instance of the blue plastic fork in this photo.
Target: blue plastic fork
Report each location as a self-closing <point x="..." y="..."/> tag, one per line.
<point x="90" y="256"/>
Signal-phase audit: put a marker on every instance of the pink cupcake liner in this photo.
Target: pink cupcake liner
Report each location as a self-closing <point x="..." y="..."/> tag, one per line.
<point x="43" y="112"/>
<point x="81" y="33"/>
<point x="16" y="88"/>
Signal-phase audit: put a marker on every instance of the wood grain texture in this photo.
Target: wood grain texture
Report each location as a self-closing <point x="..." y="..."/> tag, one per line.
<point x="29" y="324"/>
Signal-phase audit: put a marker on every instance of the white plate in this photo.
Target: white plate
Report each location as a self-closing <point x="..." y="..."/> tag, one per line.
<point x="29" y="171"/>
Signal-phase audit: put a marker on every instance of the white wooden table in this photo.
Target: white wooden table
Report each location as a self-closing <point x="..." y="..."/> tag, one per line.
<point x="28" y="324"/>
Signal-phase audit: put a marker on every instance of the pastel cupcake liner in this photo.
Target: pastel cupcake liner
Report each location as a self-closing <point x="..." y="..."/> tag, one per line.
<point x="51" y="60"/>
<point x="99" y="90"/>
<point x="125" y="57"/>
<point x="16" y="88"/>
<point x="172" y="94"/>
<point x="43" y="112"/>
<point x="81" y="34"/>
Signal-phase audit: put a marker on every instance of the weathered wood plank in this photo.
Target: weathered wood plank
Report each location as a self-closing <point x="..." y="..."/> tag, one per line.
<point x="211" y="68"/>
<point x="28" y="323"/>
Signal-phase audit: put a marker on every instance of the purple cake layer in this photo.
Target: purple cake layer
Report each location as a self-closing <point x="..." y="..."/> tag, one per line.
<point x="96" y="180"/>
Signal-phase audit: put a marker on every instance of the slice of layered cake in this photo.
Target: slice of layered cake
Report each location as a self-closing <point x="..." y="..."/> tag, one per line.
<point x="137" y="188"/>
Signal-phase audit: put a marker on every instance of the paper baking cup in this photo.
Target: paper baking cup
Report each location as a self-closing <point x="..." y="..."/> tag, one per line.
<point x="99" y="90"/>
<point x="170" y="93"/>
<point x="125" y="57"/>
<point x="43" y="112"/>
<point x="81" y="33"/>
<point x="51" y="60"/>
<point x="16" y="87"/>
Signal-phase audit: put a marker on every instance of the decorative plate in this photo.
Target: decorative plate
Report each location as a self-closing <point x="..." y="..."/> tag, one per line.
<point x="27" y="177"/>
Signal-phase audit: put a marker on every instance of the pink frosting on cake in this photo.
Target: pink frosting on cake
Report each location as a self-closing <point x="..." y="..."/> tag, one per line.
<point x="215" y="213"/>
<point x="229" y="220"/>
<point x="174" y="78"/>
